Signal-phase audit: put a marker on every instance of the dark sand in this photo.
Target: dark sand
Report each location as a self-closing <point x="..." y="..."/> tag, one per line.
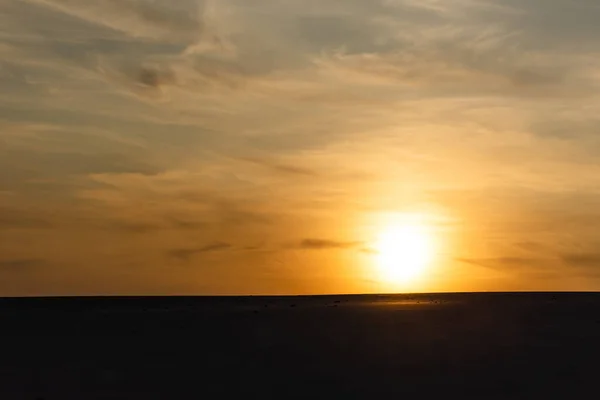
<point x="475" y="345"/>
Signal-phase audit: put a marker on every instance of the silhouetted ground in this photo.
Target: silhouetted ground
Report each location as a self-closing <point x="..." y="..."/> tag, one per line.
<point x="483" y="345"/>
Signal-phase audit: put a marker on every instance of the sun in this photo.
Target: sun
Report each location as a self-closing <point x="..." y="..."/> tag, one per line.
<point x="404" y="249"/>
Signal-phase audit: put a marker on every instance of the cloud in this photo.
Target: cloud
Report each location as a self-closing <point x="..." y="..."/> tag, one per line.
<point x="61" y="163"/>
<point x="154" y="77"/>
<point x="177" y="202"/>
<point x="580" y="263"/>
<point x="217" y="246"/>
<point x="530" y="246"/>
<point x="144" y="224"/>
<point x="325" y="244"/>
<point x="440" y="65"/>
<point x="255" y="247"/>
<point x="20" y="264"/>
<point x="527" y="271"/>
<point x="161" y="125"/>
<point x="137" y="17"/>
<point x="503" y="262"/>
<point x="134" y="227"/>
<point x="232" y="212"/>
<point x="12" y="217"/>
<point x="581" y="259"/>
<point x="368" y="250"/>
<point x="187" y="224"/>
<point x="50" y="160"/>
<point x="279" y="167"/>
<point x="187" y="253"/>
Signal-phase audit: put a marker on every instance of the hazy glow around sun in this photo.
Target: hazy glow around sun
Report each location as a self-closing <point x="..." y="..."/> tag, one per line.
<point x="405" y="248"/>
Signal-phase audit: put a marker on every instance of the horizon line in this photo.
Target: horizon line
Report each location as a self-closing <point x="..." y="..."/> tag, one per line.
<point x="124" y="296"/>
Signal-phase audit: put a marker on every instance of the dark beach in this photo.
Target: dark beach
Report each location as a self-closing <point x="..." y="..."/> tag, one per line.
<point x="494" y="345"/>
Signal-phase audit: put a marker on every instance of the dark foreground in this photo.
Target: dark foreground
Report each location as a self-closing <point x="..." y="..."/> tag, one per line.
<point x="483" y="345"/>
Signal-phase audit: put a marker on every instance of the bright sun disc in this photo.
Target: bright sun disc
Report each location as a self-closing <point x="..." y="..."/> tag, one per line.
<point x="404" y="251"/>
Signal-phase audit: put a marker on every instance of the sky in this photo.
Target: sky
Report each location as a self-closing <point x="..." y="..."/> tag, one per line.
<point x="258" y="147"/>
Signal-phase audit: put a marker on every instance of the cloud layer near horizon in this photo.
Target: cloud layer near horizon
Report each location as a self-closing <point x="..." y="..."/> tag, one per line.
<point x="209" y="146"/>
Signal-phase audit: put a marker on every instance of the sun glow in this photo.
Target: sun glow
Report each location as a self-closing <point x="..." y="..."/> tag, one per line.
<point x="405" y="249"/>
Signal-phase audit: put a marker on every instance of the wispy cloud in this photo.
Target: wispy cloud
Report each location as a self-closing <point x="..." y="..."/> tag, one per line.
<point x="20" y="264"/>
<point x="137" y="17"/>
<point x="500" y="262"/>
<point x="139" y="124"/>
<point x="188" y="253"/>
<point x="279" y="167"/>
<point x="17" y="217"/>
<point x="325" y="244"/>
<point x="582" y="259"/>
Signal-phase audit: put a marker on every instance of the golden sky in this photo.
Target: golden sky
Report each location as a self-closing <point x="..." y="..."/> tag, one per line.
<point x="263" y="147"/>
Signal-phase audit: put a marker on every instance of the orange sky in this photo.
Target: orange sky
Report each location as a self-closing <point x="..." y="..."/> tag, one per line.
<point x="236" y="147"/>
